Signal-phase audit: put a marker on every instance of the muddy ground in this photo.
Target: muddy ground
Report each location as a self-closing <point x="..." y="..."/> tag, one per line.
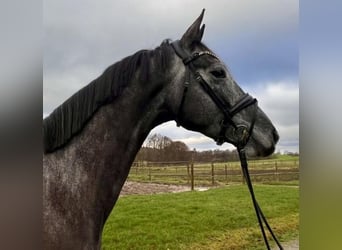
<point x="131" y="187"/>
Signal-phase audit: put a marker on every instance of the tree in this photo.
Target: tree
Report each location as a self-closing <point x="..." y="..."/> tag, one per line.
<point x="177" y="151"/>
<point x="161" y="148"/>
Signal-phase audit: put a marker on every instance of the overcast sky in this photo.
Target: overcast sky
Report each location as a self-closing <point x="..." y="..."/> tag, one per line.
<point x="257" y="40"/>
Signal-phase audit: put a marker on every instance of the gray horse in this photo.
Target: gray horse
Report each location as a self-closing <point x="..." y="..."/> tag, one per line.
<point x="91" y="140"/>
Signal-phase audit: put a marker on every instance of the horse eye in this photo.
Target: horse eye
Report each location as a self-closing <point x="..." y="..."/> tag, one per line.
<point x="218" y="73"/>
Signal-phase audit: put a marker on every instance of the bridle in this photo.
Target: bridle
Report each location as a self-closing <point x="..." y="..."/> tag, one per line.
<point x="241" y="134"/>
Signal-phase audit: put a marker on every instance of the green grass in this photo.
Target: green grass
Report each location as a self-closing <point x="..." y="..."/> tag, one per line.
<point x="287" y="157"/>
<point x="221" y="218"/>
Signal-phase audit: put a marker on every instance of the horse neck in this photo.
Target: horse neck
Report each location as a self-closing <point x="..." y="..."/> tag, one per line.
<point x="92" y="167"/>
<point x="119" y="129"/>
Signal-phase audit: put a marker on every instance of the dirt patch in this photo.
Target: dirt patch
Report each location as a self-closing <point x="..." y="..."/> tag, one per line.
<point x="132" y="187"/>
<point x="292" y="245"/>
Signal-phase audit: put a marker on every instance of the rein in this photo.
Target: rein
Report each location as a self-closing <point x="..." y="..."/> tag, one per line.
<point x="260" y="215"/>
<point x="241" y="133"/>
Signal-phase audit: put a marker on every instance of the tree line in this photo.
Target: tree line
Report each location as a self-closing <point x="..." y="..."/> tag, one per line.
<point x="159" y="148"/>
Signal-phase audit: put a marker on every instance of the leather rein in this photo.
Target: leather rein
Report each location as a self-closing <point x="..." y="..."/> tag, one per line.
<point x="241" y="133"/>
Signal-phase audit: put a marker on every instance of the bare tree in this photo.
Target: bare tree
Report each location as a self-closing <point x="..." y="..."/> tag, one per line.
<point x="161" y="148"/>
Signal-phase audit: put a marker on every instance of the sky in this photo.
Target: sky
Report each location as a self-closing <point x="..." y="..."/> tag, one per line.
<point x="257" y="40"/>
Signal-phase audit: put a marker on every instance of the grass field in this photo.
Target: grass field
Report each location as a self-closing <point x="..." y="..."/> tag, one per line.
<point x="221" y="218"/>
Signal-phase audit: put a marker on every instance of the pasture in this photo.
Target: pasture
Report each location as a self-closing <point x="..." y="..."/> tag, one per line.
<point x="220" y="218"/>
<point x="283" y="170"/>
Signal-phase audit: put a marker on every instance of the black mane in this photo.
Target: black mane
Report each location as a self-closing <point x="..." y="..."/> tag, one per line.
<point x="69" y="118"/>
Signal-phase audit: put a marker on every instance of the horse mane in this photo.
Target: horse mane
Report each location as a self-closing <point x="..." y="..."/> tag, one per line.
<point x="69" y="118"/>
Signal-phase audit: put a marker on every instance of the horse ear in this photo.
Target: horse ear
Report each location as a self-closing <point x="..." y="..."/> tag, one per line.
<point x="195" y="32"/>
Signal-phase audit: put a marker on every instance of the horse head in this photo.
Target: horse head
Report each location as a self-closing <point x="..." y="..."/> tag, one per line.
<point x="208" y="99"/>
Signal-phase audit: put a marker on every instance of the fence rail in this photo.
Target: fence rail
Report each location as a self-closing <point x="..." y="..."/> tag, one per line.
<point x="213" y="173"/>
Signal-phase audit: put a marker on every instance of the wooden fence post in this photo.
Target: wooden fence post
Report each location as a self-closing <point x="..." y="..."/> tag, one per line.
<point x="192" y="170"/>
<point x="226" y="172"/>
<point x="276" y="172"/>
<point x="192" y="177"/>
<point x="212" y="174"/>
<point x="149" y="172"/>
<point x="188" y="172"/>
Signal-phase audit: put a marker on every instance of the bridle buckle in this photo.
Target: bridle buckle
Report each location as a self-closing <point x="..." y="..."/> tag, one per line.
<point x="241" y="134"/>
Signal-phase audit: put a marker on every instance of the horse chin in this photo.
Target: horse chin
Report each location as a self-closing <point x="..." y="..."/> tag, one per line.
<point x="262" y="148"/>
<point x="258" y="145"/>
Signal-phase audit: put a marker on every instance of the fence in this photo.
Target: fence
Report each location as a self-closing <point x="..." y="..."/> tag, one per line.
<point x="205" y="174"/>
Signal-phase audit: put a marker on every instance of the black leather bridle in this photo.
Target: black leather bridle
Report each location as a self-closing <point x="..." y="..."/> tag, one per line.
<point x="241" y="133"/>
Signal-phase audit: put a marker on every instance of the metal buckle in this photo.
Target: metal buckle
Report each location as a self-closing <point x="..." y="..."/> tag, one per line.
<point x="241" y="134"/>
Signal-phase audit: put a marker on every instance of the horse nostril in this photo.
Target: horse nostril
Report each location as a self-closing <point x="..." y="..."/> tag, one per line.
<point x="275" y="136"/>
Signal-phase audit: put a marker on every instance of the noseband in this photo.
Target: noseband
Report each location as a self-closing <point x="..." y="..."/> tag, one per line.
<point x="241" y="133"/>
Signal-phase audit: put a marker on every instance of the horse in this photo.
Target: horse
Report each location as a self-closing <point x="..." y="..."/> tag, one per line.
<point x="91" y="140"/>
